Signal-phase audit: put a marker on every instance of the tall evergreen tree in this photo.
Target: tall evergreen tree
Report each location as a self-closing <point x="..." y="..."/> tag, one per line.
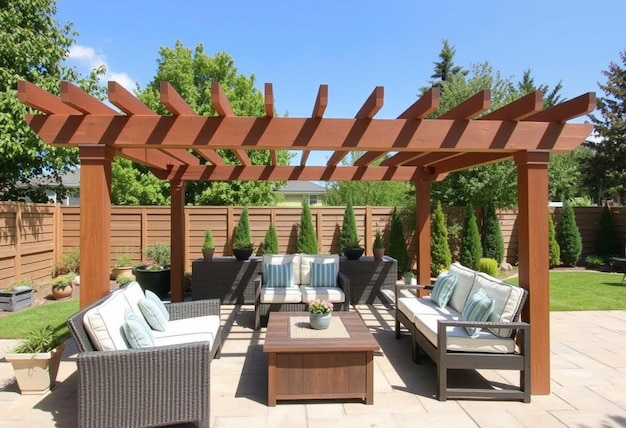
<point x="445" y="68"/>
<point x="568" y="236"/>
<point x="492" y="241"/>
<point x="607" y="244"/>
<point x="349" y="234"/>
<point x="470" y="251"/>
<point x="242" y="235"/>
<point x="270" y="242"/>
<point x="555" y="250"/>
<point x="307" y="240"/>
<point x="551" y="97"/>
<point x="397" y="244"/>
<point x="605" y="172"/>
<point x="440" y="256"/>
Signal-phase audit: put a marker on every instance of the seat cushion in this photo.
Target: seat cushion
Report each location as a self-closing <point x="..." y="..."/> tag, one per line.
<point x="307" y="259"/>
<point x="412" y="307"/>
<point x="332" y="294"/>
<point x="443" y="288"/>
<point x="463" y="286"/>
<point x="276" y="259"/>
<point x="289" y="294"/>
<point x="279" y="275"/>
<point x="198" y="329"/>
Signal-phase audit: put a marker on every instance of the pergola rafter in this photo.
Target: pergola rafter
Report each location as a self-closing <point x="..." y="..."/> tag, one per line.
<point x="182" y="146"/>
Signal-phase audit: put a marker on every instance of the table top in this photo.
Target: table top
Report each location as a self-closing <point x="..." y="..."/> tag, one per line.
<point x="278" y="337"/>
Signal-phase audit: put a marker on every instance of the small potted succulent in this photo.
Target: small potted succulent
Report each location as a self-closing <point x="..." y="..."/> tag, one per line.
<point x="320" y="314"/>
<point x="208" y="248"/>
<point x="155" y="274"/>
<point x="379" y="247"/>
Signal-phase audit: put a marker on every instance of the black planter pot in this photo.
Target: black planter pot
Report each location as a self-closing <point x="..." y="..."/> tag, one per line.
<point x="353" y="253"/>
<point x="157" y="281"/>
<point x="242" y="253"/>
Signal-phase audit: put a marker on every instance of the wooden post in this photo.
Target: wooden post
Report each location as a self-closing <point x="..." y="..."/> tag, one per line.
<point x="95" y="221"/>
<point x="422" y="232"/>
<point x="533" y="253"/>
<point x="178" y="239"/>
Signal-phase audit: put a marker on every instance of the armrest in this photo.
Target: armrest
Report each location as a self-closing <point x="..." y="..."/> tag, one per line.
<point x="523" y="327"/>
<point x="258" y="283"/>
<point x="344" y="283"/>
<point x="196" y="308"/>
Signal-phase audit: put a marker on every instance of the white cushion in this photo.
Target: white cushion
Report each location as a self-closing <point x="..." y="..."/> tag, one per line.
<point x="307" y="259"/>
<point x="290" y="294"/>
<point x="332" y="294"/>
<point x="133" y="293"/>
<point x="104" y="323"/>
<point x="187" y="330"/>
<point x="507" y="299"/>
<point x="463" y="286"/>
<point x="277" y="259"/>
<point x="412" y="307"/>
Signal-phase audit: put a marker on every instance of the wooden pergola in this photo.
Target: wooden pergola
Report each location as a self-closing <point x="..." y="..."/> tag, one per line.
<point x="182" y="147"/>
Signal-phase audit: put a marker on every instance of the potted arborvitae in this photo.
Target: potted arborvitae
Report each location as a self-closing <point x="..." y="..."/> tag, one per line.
<point x="208" y="248"/>
<point x="349" y="235"/>
<point x="155" y="275"/>
<point x="242" y="243"/>
<point x="36" y="360"/>
<point x="379" y="247"/>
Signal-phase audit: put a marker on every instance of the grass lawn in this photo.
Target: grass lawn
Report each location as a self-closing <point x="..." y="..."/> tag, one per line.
<point x="585" y="291"/>
<point x="15" y="326"/>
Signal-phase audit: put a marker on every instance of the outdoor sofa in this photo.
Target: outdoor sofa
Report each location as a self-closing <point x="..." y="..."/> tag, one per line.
<point x="288" y="282"/>
<point x="165" y="382"/>
<point x="470" y="321"/>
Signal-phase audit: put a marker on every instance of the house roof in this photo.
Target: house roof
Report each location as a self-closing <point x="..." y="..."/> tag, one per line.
<point x="302" y="187"/>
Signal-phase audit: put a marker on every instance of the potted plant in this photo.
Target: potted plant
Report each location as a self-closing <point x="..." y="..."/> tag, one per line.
<point x="207" y="246"/>
<point x="353" y="250"/>
<point x="320" y="314"/>
<point x="379" y="247"/>
<point x="242" y="242"/>
<point x="62" y="286"/>
<point x="36" y="360"/>
<point x="17" y="296"/>
<point x="122" y="280"/>
<point x="155" y="275"/>
<point x="409" y="278"/>
<point x="123" y="265"/>
<point x="242" y="250"/>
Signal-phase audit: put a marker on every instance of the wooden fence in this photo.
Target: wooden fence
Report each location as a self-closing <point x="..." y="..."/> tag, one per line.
<point x="33" y="237"/>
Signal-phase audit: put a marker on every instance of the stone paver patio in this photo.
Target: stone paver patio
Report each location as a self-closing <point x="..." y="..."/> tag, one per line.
<point x="588" y="380"/>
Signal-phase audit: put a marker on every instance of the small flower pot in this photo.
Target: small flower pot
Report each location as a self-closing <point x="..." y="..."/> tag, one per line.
<point x="242" y="253"/>
<point x="320" y="321"/>
<point x="36" y="373"/>
<point x="378" y="253"/>
<point x="62" y="292"/>
<point x="207" y="253"/>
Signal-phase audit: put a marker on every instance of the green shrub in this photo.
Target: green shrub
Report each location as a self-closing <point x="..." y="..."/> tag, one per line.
<point x="378" y="241"/>
<point x="607" y="244"/>
<point x="307" y="240"/>
<point x="124" y="279"/>
<point x="158" y="253"/>
<point x="397" y="244"/>
<point x="594" y="261"/>
<point x="488" y="266"/>
<point x="208" y="240"/>
<point x="242" y="238"/>
<point x="555" y="251"/>
<point x="440" y="256"/>
<point x="568" y="236"/>
<point x="492" y="241"/>
<point x="270" y="242"/>
<point x="349" y="235"/>
<point x="471" y="250"/>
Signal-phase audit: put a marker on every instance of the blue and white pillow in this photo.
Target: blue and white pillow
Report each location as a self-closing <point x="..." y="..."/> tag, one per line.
<point x="279" y="275"/>
<point x="323" y="275"/>
<point x="477" y="308"/>
<point x="137" y="331"/>
<point x="443" y="288"/>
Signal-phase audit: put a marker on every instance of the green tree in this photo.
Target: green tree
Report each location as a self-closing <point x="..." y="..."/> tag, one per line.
<point x="568" y="236"/>
<point x="349" y="234"/>
<point x="440" y="256"/>
<point x="607" y="244"/>
<point x="33" y="48"/>
<point x="270" y="242"/>
<point x="605" y="172"/>
<point x="397" y="243"/>
<point x="470" y="252"/>
<point x="445" y="68"/>
<point x="307" y="239"/>
<point x="555" y="251"/>
<point x="551" y="97"/>
<point x="492" y="241"/>
<point x="565" y="174"/>
<point x="134" y="185"/>
<point x="242" y="237"/>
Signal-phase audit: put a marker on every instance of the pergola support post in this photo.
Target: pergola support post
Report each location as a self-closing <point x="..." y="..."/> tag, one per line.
<point x="178" y="239"/>
<point x="422" y="233"/>
<point x="95" y="221"/>
<point x="533" y="253"/>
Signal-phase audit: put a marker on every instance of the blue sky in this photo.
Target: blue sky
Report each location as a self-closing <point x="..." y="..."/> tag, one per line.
<point x="354" y="46"/>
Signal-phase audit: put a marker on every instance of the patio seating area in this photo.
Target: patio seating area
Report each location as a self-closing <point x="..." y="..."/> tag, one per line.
<point x="588" y="373"/>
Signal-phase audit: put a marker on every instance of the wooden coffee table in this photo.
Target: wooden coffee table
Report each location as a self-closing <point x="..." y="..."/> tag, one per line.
<point x="304" y="364"/>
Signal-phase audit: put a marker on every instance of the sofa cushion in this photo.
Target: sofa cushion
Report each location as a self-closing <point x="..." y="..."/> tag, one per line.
<point x="478" y="308"/>
<point x="289" y="294"/>
<point x="332" y="294"/>
<point x="186" y="330"/>
<point x="137" y="331"/>
<point x="463" y="286"/>
<point x="323" y="275"/>
<point x="293" y="259"/>
<point x="412" y="307"/>
<point x="154" y="311"/>
<point x="133" y="293"/>
<point x="507" y="300"/>
<point x="443" y="288"/>
<point x="279" y="275"/>
<point x="307" y="259"/>
<point x="104" y="322"/>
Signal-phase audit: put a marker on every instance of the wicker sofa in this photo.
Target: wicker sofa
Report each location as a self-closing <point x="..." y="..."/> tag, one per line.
<point x="164" y="384"/>
<point x="298" y="288"/>
<point x="454" y="339"/>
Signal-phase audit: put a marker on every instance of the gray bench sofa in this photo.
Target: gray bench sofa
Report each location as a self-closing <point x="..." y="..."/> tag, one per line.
<point x="499" y="342"/>
<point x="166" y="383"/>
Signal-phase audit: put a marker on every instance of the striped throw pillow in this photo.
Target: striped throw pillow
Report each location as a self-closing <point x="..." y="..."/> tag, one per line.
<point x="278" y="275"/>
<point x="477" y="308"/>
<point x="323" y="275"/>
<point x="443" y="288"/>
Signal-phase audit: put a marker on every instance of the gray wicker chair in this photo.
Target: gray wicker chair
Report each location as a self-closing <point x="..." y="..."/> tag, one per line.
<point x="146" y="387"/>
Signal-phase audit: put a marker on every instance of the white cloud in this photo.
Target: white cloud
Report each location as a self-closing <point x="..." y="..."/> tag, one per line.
<point x="88" y="58"/>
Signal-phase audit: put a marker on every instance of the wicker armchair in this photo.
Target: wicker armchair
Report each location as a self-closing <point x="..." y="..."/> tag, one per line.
<point x="154" y="386"/>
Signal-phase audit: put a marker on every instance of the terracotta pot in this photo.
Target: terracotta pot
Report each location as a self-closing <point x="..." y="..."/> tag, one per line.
<point x="378" y="253"/>
<point x="207" y="253"/>
<point x="62" y="293"/>
<point x="121" y="270"/>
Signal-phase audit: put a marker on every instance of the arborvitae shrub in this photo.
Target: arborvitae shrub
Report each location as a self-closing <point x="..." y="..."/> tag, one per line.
<point x="492" y="241"/>
<point x="471" y="250"/>
<point x="242" y="231"/>
<point x="270" y="242"/>
<point x="607" y="244"/>
<point x="440" y="256"/>
<point x="555" y="251"/>
<point x="349" y="234"/>
<point x="397" y="244"/>
<point x="488" y="265"/>
<point x="307" y="240"/>
<point x="568" y="236"/>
